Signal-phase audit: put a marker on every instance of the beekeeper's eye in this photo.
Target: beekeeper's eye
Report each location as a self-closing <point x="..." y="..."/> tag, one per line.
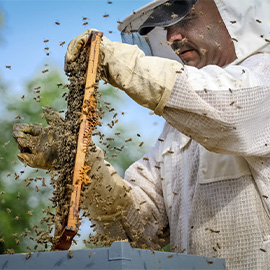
<point x="188" y="20"/>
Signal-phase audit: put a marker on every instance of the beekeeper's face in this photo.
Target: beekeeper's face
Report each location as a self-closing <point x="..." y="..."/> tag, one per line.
<point x="201" y="37"/>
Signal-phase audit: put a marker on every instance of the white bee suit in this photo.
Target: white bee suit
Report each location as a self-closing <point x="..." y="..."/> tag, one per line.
<point x="207" y="179"/>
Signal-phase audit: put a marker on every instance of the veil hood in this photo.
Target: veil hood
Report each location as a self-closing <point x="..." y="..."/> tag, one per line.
<point x="248" y="23"/>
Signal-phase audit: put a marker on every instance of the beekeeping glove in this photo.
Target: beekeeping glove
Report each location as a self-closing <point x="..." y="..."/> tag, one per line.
<point x="146" y="79"/>
<point x="39" y="145"/>
<point x="107" y="196"/>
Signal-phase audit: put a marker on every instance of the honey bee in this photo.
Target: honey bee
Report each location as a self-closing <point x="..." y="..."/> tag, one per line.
<point x="106" y="15"/>
<point x="70" y="254"/>
<point x="128" y="140"/>
<point x="8" y="67"/>
<point x="174" y="16"/>
<point x="109" y="2"/>
<point x="28" y="255"/>
<point x="6" y="143"/>
<point x="85" y="19"/>
<point x="170" y="256"/>
<point x="62" y="43"/>
<point x="140" y="145"/>
<point x="44" y="71"/>
<point x="258" y="21"/>
<point x="233" y="22"/>
<point x="46" y="40"/>
<point x="57" y="23"/>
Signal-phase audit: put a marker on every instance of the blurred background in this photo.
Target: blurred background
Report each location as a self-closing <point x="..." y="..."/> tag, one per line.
<point x="33" y="40"/>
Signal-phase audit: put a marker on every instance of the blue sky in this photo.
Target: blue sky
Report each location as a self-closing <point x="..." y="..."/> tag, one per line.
<point x="29" y="22"/>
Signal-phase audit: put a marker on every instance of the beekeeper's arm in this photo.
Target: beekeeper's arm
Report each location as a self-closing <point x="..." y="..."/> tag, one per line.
<point x="224" y="109"/>
<point x="130" y="209"/>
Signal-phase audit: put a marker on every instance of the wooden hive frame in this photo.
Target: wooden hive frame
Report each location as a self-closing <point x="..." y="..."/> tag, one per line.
<point x="88" y="123"/>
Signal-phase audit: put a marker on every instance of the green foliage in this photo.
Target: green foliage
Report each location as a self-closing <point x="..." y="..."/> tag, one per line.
<point x="20" y="207"/>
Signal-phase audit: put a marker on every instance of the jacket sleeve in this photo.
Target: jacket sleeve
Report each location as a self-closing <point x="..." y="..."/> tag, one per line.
<point x="227" y="110"/>
<point x="145" y="223"/>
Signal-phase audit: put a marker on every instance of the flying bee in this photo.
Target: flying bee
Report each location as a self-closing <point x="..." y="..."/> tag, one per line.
<point x="44" y="71"/>
<point x="18" y="117"/>
<point x="46" y="48"/>
<point x="106" y="15"/>
<point x="8" y="67"/>
<point x="57" y="23"/>
<point x="128" y="140"/>
<point x="140" y="145"/>
<point x="62" y="43"/>
<point x="85" y="23"/>
<point x="170" y="256"/>
<point x="258" y="21"/>
<point x="109" y="2"/>
<point x="46" y="40"/>
<point x="85" y="18"/>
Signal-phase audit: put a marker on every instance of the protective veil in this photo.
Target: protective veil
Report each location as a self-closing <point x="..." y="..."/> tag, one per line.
<point x="207" y="179"/>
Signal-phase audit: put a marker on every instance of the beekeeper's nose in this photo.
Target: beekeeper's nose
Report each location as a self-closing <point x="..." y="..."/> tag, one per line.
<point x="173" y="34"/>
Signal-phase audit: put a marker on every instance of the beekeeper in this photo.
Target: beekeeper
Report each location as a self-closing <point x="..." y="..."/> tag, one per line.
<point x="205" y="186"/>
